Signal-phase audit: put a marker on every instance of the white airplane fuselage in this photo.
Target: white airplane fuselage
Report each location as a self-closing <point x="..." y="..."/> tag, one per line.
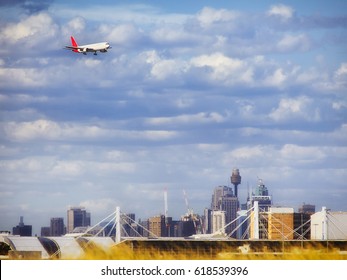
<point x="101" y="47"/>
<point x="97" y="47"/>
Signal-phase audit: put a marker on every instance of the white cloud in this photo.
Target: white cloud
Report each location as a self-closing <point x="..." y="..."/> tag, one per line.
<point x="248" y="153"/>
<point x="67" y="169"/>
<point x="172" y="35"/>
<point x="155" y="135"/>
<point x="101" y="206"/>
<point x="75" y="168"/>
<point x="342" y="71"/>
<point x="291" y="42"/>
<point x="22" y="77"/>
<point x="298" y="108"/>
<point x="202" y="117"/>
<point x="300" y="154"/>
<point x="74" y="27"/>
<point x="50" y="130"/>
<point x="277" y="79"/>
<point x="46" y="129"/>
<point x="339" y="105"/>
<point x="340" y="77"/>
<point x="31" y="31"/>
<point x="26" y="165"/>
<point x="282" y="11"/>
<point x="164" y="69"/>
<point x="226" y="69"/>
<point x="122" y="35"/>
<point x="208" y="16"/>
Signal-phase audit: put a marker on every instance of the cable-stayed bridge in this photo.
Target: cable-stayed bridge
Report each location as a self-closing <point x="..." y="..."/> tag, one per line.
<point x="111" y="232"/>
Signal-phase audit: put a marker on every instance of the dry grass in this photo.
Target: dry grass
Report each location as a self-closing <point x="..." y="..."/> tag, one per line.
<point x="124" y="252"/>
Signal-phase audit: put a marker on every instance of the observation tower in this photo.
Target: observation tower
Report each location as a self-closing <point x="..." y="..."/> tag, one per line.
<point x="235" y="179"/>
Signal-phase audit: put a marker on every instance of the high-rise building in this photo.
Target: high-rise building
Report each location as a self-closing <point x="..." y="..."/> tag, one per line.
<point x="242" y="225"/>
<point x="279" y="223"/>
<point x="45" y="231"/>
<point x="156" y="226"/>
<point x="128" y="224"/>
<point x="223" y="199"/>
<point x="302" y="226"/>
<point x="57" y="227"/>
<point x="261" y="194"/>
<point x="143" y="229"/>
<point x="307" y="208"/>
<point x="218" y="193"/>
<point x="218" y="222"/>
<point x="77" y="217"/>
<point x="207" y="221"/>
<point x="22" y="229"/>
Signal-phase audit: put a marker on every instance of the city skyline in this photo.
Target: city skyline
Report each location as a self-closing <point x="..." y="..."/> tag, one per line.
<point x="216" y="205"/>
<point x="186" y="94"/>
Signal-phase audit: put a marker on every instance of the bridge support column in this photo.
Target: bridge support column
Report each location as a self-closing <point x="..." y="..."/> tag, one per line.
<point x="256" y="220"/>
<point x="325" y="224"/>
<point x="118" y="225"/>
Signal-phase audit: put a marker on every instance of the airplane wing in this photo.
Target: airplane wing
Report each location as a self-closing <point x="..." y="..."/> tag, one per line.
<point x="79" y="48"/>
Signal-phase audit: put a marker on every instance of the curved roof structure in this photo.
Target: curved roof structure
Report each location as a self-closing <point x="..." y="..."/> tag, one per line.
<point x="62" y="247"/>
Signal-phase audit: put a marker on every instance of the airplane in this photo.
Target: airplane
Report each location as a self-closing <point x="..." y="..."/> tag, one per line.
<point x="101" y="47"/>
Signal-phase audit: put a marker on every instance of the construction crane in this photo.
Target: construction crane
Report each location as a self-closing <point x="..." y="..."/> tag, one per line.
<point x="190" y="214"/>
<point x="166" y="210"/>
<point x="189" y="210"/>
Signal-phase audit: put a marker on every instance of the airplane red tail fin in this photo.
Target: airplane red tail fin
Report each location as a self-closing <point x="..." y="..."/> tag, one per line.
<point x="74" y="43"/>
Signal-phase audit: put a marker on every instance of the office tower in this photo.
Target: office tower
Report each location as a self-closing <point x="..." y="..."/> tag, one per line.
<point x="218" y="193"/>
<point x="57" y="227"/>
<point x="22" y="229"/>
<point x="207" y="221"/>
<point x="45" y="231"/>
<point x="218" y="222"/>
<point x="224" y="200"/>
<point x="307" y="208"/>
<point x="77" y="217"/>
<point x="261" y="194"/>
<point x="127" y="221"/>
<point x="281" y="223"/>
<point x="302" y="226"/>
<point x="242" y="225"/>
<point x="143" y="229"/>
<point x="156" y="226"/>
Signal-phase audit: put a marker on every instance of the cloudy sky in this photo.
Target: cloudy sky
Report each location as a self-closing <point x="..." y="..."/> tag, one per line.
<point x="187" y="92"/>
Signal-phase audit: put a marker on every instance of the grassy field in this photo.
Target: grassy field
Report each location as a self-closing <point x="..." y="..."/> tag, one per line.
<point x="124" y="252"/>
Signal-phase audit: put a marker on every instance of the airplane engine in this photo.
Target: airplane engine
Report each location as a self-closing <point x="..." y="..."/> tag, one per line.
<point x="85" y="51"/>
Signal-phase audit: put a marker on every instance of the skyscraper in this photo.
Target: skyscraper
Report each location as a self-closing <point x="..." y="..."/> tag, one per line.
<point x="77" y="217"/>
<point x="57" y="227"/>
<point x="307" y="208"/>
<point x="22" y="229"/>
<point x="218" y="193"/>
<point x="261" y="194"/>
<point x="218" y="222"/>
<point x="156" y="226"/>
<point x="223" y="199"/>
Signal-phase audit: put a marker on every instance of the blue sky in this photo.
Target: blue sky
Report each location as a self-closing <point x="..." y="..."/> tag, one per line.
<point x="187" y="93"/>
